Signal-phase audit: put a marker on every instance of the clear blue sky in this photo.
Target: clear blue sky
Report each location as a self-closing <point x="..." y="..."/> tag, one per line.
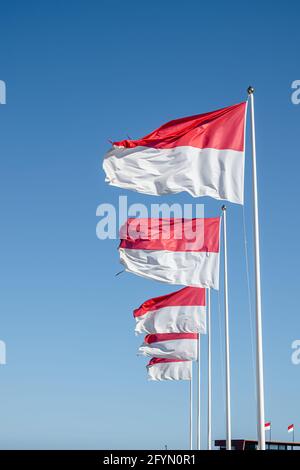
<point x="79" y="73"/>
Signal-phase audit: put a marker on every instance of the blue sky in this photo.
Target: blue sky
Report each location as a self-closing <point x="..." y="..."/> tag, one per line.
<point x="77" y="74"/>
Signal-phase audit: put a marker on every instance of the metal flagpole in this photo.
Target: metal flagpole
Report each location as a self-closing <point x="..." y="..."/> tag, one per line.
<point x="227" y="352"/>
<point x="209" y="372"/>
<point x="293" y="434"/>
<point x="199" y="399"/>
<point x="191" y="408"/>
<point x="259" y="347"/>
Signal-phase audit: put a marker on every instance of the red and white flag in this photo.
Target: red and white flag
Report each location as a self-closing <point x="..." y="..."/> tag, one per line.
<point x="170" y="346"/>
<point x="169" y="369"/>
<point x="291" y="428"/>
<point x="267" y="426"/>
<point x="202" y="155"/>
<point x="182" y="311"/>
<point x="175" y="251"/>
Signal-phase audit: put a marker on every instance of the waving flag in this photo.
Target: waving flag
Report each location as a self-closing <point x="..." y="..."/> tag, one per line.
<point x="267" y="426"/>
<point x="182" y="311"/>
<point x="175" y="251"/>
<point x="291" y="428"/>
<point x="202" y="155"/>
<point x="170" y="346"/>
<point x="169" y="369"/>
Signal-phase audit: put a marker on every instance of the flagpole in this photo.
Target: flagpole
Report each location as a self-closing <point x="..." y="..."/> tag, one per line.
<point x="191" y="408"/>
<point x="259" y="346"/>
<point x="199" y="400"/>
<point x="227" y="352"/>
<point x="209" y="372"/>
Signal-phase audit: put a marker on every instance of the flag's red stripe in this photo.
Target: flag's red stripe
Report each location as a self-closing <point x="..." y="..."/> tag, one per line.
<point x="183" y="297"/>
<point x="220" y="129"/>
<point x="291" y="427"/>
<point x="200" y="235"/>
<point x="156" y="360"/>
<point x="156" y="338"/>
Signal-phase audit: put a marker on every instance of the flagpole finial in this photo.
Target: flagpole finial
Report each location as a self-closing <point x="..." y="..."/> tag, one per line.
<point x="223" y="208"/>
<point x="250" y="90"/>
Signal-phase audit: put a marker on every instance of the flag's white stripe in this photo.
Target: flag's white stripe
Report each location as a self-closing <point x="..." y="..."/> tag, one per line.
<point x="200" y="172"/>
<point x="170" y="371"/>
<point x="188" y="268"/>
<point x="173" y="349"/>
<point x="173" y="319"/>
<point x="291" y="429"/>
